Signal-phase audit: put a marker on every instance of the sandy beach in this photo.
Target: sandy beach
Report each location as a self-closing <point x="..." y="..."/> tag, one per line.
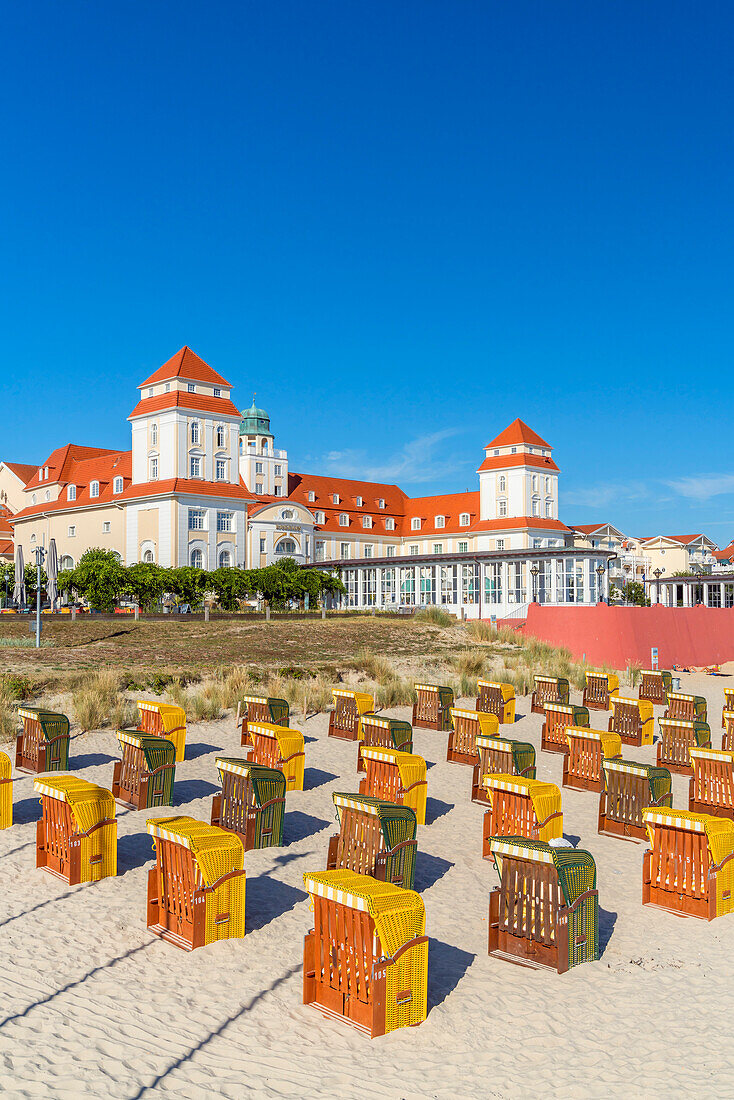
<point x="93" y="1005"/>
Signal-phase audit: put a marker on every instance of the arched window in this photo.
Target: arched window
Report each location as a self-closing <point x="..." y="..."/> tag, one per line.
<point x="535" y="483"/>
<point x="117" y="485"/>
<point x="343" y="519"/>
<point x="94" y="488"/>
<point x="154" y="434"/>
<point x="197" y="559"/>
<point x="66" y="562"/>
<point x="287" y="513"/>
<point x="148" y="557"/>
<point x="502" y="486"/>
<point x="547" y="485"/>
<point x="195" y="435"/>
<point x="225" y="559"/>
<point x="221" y="436"/>
<point x="286" y="546"/>
<point x="464" y="519"/>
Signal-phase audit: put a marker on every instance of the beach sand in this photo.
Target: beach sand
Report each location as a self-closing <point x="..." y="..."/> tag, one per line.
<point x="93" y="1005"/>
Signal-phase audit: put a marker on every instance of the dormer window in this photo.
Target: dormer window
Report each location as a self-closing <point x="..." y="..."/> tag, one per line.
<point x="335" y="498"/>
<point x="71" y="492"/>
<point x="195" y="433"/>
<point x="343" y="519"/>
<point x="389" y="524"/>
<point x="221" y="434"/>
<point x="381" y="502"/>
<point x="311" y="496"/>
<point x="154" y="434"/>
<point x="94" y="488"/>
<point x="359" y="502"/>
<point x="367" y="521"/>
<point x="117" y="485"/>
<point x="415" y="524"/>
<point x="464" y="519"/>
<point x="319" y="517"/>
<point x="440" y="521"/>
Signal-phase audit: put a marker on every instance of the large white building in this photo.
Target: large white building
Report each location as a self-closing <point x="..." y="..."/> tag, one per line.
<point x="204" y="485"/>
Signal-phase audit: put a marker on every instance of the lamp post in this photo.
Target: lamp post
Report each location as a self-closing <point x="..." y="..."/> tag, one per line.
<point x="534" y="573"/>
<point x="40" y="558"/>
<point x="657" y="574"/>
<point x="600" y="571"/>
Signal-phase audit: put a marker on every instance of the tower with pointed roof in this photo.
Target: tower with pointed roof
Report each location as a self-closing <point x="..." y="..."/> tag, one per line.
<point x="264" y="469"/>
<point x="518" y="480"/>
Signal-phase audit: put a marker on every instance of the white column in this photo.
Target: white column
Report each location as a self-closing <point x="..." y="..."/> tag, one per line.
<point x="721" y="593"/>
<point x="554" y="581"/>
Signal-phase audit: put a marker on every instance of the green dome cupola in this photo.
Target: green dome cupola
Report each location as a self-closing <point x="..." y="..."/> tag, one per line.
<point x="255" y="421"/>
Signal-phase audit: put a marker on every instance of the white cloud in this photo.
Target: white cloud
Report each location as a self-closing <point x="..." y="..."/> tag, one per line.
<point x="704" y="487"/>
<point x="421" y="459"/>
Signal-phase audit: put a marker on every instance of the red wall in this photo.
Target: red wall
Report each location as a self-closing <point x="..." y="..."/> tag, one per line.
<point x="619" y="635"/>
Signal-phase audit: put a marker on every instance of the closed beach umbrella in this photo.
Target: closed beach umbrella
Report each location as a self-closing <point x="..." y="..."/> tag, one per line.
<point x="52" y="572"/>
<point x="19" y="586"/>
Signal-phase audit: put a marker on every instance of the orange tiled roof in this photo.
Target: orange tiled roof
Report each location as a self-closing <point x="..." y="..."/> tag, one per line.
<point x="501" y="462"/>
<point x="197" y="402"/>
<point x="81" y="472"/>
<point x="518" y="432"/>
<point x="186" y="364"/>
<point x="60" y="462"/>
<point x="22" y="470"/>
<point x="510" y="523"/>
<point x="6" y="548"/>
<point x="192" y="486"/>
<point x="449" y="505"/>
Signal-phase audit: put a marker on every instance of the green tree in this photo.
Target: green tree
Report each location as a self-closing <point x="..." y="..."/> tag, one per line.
<point x="188" y="583"/>
<point x="230" y="585"/>
<point x="634" y="593"/>
<point x="99" y="578"/>
<point x="146" y="583"/>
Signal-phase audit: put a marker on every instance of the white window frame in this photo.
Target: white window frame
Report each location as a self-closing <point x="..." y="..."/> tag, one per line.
<point x="117" y="485"/>
<point x="195" y="434"/>
<point x="221" y="435"/>
<point x="197" y="519"/>
<point x="464" y="519"/>
<point x="502" y="508"/>
<point x="343" y="519"/>
<point x="224" y="521"/>
<point x="194" y="466"/>
<point x="463" y="547"/>
<point x="415" y="524"/>
<point x="440" y="521"/>
<point x="311" y="496"/>
<point x="389" y="524"/>
<point x="72" y="531"/>
<point x="71" y="492"/>
<point x="154" y="434"/>
<point x="367" y="522"/>
<point x="153" y="469"/>
<point x="344" y="549"/>
<point x="106" y="527"/>
<point x="220" y="469"/>
<point x="93" y="490"/>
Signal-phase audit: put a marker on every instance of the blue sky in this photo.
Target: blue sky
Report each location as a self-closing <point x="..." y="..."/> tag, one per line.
<point x="402" y="223"/>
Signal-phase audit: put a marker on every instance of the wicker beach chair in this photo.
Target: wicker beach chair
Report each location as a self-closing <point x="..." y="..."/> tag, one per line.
<point x="251" y="803"/>
<point x="633" y="720"/>
<point x="366" y="958"/>
<point x="548" y="689"/>
<point x="281" y="748"/>
<point x="689" y="866"/>
<point x="558" y="717"/>
<point x="587" y="749"/>
<point x="384" y="733"/>
<point x="690" y="708"/>
<point x="375" y="838"/>
<point x="467" y="725"/>
<point x="630" y="788"/>
<point x="545" y="912"/>
<point x="521" y="807"/>
<point x="432" y="706"/>
<point x="42" y="744"/>
<point x="196" y="891"/>
<point x="678" y="736"/>
<point x="164" y="720"/>
<point x="654" y="686"/>
<point x="712" y="783"/>
<point x="599" y="690"/>
<point x="76" y="838"/>
<point x="728" y="706"/>
<point x="349" y="706"/>
<point x="496" y="698"/>
<point x="260" y="708"/>
<point x="500" y="756"/>
<point x="727" y="738"/>
<point x="398" y="777"/>
<point x="6" y="792"/>
<point x="143" y="779"/>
